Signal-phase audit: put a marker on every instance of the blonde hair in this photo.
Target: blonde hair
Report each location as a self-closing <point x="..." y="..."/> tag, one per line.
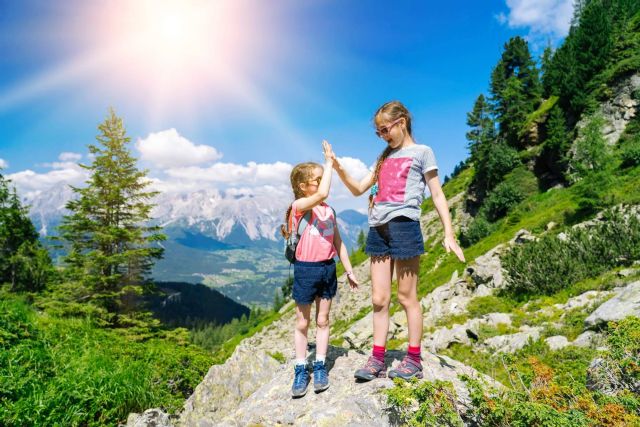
<point x="300" y="173"/>
<point x="395" y="110"/>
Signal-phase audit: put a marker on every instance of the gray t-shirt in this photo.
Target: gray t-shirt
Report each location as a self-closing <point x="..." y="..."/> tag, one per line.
<point x="401" y="184"/>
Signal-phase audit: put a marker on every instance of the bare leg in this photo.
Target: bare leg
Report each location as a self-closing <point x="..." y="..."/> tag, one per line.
<point x="323" y="306"/>
<point x="303" y="314"/>
<point x="381" y="273"/>
<point x="407" y="274"/>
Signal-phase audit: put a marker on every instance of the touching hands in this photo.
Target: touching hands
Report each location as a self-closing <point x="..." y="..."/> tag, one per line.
<point x="450" y="244"/>
<point x="327" y="151"/>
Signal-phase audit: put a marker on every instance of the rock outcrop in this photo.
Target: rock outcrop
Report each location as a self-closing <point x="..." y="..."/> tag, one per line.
<point x="625" y="303"/>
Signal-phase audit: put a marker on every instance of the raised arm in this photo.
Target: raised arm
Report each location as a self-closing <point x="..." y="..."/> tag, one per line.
<point x="306" y="203"/>
<point x="356" y="187"/>
<point x="440" y="202"/>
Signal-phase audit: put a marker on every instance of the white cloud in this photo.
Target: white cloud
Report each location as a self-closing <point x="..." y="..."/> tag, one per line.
<point x="69" y="157"/>
<point x="168" y="149"/>
<point x="3" y="164"/>
<point x="231" y="173"/>
<point x="354" y="167"/>
<point x="545" y="18"/>
<point x="28" y="180"/>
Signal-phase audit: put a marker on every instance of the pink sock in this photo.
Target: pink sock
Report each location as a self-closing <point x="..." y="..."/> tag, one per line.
<point x="414" y="354"/>
<point x="378" y="352"/>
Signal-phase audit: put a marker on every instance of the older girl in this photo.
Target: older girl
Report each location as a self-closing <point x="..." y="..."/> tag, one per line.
<point x="395" y="240"/>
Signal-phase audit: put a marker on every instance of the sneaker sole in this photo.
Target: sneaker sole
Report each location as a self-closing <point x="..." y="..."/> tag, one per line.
<point x="297" y="396"/>
<point x="418" y="375"/>
<point x="320" y="389"/>
<point x="369" y="377"/>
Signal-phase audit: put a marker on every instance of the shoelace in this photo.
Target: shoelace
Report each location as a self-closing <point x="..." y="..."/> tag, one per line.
<point x="321" y="373"/>
<point x="300" y="378"/>
<point x="372" y="365"/>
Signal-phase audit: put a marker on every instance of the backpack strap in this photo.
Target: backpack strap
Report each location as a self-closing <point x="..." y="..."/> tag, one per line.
<point x="306" y="219"/>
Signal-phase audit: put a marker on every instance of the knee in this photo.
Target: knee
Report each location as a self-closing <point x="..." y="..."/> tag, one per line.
<point x="407" y="299"/>
<point x="302" y="324"/>
<point x="380" y="302"/>
<point x="322" y="321"/>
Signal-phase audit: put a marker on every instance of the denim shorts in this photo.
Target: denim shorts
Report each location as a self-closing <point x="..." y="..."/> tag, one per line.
<point x="401" y="238"/>
<point x="314" y="279"/>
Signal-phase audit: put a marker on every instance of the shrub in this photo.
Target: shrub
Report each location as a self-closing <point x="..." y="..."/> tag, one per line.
<point x="550" y="264"/>
<point x="478" y="229"/>
<point x="630" y="155"/>
<point x="590" y="150"/>
<point x="424" y="403"/>
<point x="501" y="200"/>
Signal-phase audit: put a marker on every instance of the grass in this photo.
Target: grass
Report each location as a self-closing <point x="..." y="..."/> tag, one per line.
<point x="57" y="371"/>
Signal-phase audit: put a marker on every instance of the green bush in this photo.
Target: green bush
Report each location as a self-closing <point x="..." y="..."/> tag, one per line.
<point x="630" y="155"/>
<point x="550" y="264"/>
<point x="478" y="229"/>
<point x="590" y="151"/>
<point x="435" y="402"/>
<point x="501" y="200"/>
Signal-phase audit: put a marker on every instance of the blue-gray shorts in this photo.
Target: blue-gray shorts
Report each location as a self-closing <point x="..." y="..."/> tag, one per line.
<point x="314" y="279"/>
<point x="401" y="238"/>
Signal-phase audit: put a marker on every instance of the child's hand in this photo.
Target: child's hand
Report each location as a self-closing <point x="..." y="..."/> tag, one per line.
<point x="450" y="244"/>
<point x="353" y="282"/>
<point x="327" y="151"/>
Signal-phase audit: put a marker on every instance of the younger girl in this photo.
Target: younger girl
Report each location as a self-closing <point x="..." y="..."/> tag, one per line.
<point x="314" y="274"/>
<point x="395" y="240"/>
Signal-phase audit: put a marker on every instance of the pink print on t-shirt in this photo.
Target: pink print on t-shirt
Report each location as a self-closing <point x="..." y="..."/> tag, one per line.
<point x="392" y="180"/>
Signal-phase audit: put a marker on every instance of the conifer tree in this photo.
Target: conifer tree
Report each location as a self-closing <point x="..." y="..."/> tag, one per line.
<point x="482" y="127"/>
<point x="557" y="143"/>
<point x="515" y="89"/>
<point x="111" y="245"/>
<point x="23" y="261"/>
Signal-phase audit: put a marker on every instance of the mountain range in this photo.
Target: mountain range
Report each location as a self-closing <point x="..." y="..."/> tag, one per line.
<point x="226" y="241"/>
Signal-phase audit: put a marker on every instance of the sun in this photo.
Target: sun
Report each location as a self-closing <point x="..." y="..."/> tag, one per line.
<point x="177" y="48"/>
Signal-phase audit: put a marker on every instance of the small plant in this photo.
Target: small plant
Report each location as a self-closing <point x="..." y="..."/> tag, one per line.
<point x="425" y="403"/>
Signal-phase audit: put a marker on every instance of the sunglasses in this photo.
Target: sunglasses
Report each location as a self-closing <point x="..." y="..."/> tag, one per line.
<point x="384" y="130"/>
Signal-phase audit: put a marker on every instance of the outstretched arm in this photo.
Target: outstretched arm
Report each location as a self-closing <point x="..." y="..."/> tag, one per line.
<point x="440" y="202"/>
<point x="356" y="187"/>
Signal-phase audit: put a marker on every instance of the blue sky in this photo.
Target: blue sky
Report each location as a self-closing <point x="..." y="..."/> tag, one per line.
<point x="230" y="94"/>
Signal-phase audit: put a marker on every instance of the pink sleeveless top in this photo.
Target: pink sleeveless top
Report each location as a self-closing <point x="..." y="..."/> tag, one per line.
<point x="316" y="240"/>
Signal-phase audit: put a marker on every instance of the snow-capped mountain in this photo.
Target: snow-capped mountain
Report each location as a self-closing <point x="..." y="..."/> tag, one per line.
<point x="235" y="219"/>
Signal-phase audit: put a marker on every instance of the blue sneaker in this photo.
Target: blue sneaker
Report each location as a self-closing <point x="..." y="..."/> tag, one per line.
<point x="320" y="377"/>
<point x="301" y="380"/>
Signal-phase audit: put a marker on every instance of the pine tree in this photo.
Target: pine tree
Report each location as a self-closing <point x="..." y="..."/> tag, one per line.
<point x="515" y="88"/>
<point x="482" y="127"/>
<point x="111" y="246"/>
<point x="23" y="261"/>
<point x="556" y="146"/>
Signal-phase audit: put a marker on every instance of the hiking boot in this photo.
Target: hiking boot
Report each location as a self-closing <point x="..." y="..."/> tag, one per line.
<point x="407" y="369"/>
<point x="320" y="377"/>
<point x="301" y="380"/>
<point x="372" y="369"/>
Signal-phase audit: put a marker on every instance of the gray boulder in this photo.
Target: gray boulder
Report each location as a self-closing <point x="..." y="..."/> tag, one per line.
<point x="513" y="342"/>
<point x="625" y="303"/>
<point x="154" y="417"/>
<point x="557" y="342"/>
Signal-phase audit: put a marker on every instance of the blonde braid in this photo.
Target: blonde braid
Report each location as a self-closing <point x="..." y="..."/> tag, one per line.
<point x="376" y="172"/>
